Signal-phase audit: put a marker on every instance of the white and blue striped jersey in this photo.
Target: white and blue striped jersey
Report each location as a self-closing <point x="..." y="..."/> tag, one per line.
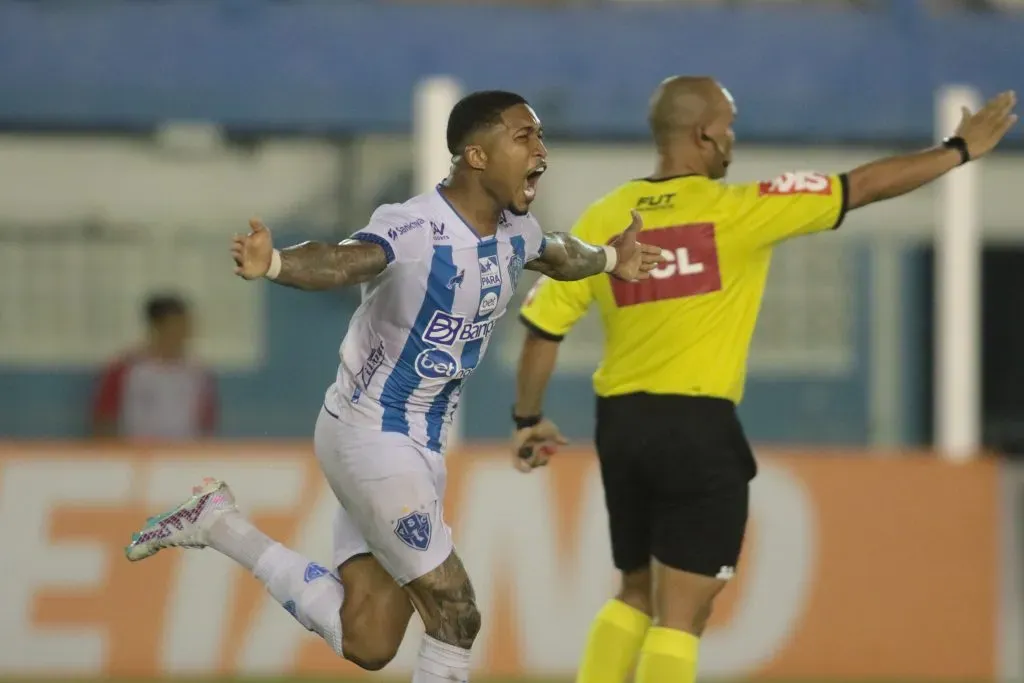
<point x="424" y="323"/>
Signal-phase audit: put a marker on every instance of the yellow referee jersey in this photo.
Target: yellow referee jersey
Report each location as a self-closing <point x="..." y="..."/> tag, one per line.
<point x="687" y="329"/>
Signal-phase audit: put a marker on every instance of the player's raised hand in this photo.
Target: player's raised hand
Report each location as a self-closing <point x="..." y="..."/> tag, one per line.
<point x="252" y="252"/>
<point x="983" y="130"/>
<point x="532" y="447"/>
<point x="635" y="259"/>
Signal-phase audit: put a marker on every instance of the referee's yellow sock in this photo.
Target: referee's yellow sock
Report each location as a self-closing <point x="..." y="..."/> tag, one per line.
<point x="616" y="635"/>
<point x="668" y="656"/>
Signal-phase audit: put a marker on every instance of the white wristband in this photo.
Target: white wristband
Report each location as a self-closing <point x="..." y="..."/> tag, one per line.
<point x="611" y="258"/>
<point x="275" y="265"/>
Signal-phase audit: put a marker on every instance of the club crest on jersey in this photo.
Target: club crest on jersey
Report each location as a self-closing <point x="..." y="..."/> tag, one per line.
<point x="490" y="272"/>
<point x="515" y="269"/>
<point x="456" y="280"/>
<point x="414" y="530"/>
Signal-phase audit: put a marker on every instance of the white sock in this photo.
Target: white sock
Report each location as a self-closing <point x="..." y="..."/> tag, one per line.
<point x="310" y="592"/>
<point x="232" y="534"/>
<point x="441" y="663"/>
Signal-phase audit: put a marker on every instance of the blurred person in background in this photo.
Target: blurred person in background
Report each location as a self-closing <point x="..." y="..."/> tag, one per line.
<point x="157" y="391"/>
<point x="439" y="270"/>
<point x="675" y="462"/>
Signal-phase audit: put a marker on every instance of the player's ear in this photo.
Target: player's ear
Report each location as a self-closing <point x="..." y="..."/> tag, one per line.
<point x="475" y="156"/>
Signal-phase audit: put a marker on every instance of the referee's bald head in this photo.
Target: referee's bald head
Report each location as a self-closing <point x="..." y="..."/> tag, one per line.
<point x="693" y="115"/>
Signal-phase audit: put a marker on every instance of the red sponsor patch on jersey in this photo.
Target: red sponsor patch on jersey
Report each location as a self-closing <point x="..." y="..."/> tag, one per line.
<point x="690" y="268"/>
<point x="800" y="182"/>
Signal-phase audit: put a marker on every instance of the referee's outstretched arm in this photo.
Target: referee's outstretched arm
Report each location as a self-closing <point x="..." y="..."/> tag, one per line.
<point x="976" y="136"/>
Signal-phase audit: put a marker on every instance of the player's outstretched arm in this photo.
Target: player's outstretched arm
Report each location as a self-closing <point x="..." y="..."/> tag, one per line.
<point x="976" y="136"/>
<point x="566" y="257"/>
<point x="316" y="265"/>
<point x="310" y="265"/>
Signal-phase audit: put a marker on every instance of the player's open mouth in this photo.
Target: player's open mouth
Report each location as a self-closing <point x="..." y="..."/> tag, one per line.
<point x="530" y="190"/>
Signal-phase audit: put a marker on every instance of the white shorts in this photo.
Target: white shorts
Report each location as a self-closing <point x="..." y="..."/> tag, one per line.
<point x="391" y="492"/>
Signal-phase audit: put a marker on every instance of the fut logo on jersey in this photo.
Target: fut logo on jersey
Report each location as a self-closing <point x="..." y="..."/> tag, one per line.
<point x="490" y="272"/>
<point x="691" y="266"/>
<point x="445" y="329"/>
<point x="654" y="202"/>
<point x="414" y="530"/>
<point x="801" y="182"/>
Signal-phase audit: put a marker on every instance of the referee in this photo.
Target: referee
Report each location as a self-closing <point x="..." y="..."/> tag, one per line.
<point x="675" y="463"/>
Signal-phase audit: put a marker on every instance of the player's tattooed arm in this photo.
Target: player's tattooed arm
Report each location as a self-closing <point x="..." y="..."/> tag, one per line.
<point x="317" y="265"/>
<point x="566" y="257"/>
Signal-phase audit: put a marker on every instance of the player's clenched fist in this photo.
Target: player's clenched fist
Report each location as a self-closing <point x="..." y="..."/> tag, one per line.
<point x="533" y="446"/>
<point x="252" y="252"/>
<point x="983" y="130"/>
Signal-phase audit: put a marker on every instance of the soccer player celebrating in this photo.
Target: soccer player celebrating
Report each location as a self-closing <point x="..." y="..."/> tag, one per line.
<point x="675" y="463"/>
<point x="437" y="272"/>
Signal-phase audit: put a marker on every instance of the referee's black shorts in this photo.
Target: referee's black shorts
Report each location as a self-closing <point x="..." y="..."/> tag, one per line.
<point x="676" y="473"/>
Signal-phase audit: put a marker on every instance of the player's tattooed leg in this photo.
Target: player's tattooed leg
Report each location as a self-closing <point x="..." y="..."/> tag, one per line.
<point x="446" y="602"/>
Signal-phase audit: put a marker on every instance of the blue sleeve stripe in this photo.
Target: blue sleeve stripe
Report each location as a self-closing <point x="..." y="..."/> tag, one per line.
<point x="389" y="252"/>
<point x="540" y="249"/>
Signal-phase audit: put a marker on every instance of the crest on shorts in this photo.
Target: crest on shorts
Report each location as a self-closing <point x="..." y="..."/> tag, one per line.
<point x="414" y="530"/>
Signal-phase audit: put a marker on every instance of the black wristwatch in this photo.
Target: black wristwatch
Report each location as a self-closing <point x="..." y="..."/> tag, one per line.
<point x="959" y="144"/>
<point x="525" y="422"/>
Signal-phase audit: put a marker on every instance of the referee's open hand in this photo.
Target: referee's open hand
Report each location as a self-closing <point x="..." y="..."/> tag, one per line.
<point x="635" y="260"/>
<point x="533" y="446"/>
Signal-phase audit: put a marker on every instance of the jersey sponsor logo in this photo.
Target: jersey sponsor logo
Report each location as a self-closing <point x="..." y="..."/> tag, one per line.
<point x="487" y="304"/>
<point x="438" y="230"/>
<point x="394" y="233"/>
<point x="436" y="364"/>
<point x="414" y="530"/>
<point x="457" y="280"/>
<point x="490" y="272"/>
<point x="800" y="182"/>
<point x="372" y="364"/>
<point x="691" y="267"/>
<point x="661" y="201"/>
<point x="445" y="329"/>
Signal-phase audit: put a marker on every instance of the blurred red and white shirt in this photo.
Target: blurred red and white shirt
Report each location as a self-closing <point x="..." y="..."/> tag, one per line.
<point x="150" y="398"/>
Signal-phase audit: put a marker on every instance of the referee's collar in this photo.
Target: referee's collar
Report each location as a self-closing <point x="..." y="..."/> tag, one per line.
<point x="666" y="179"/>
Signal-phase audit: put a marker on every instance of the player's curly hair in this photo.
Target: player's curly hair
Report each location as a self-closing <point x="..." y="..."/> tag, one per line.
<point x="475" y="111"/>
